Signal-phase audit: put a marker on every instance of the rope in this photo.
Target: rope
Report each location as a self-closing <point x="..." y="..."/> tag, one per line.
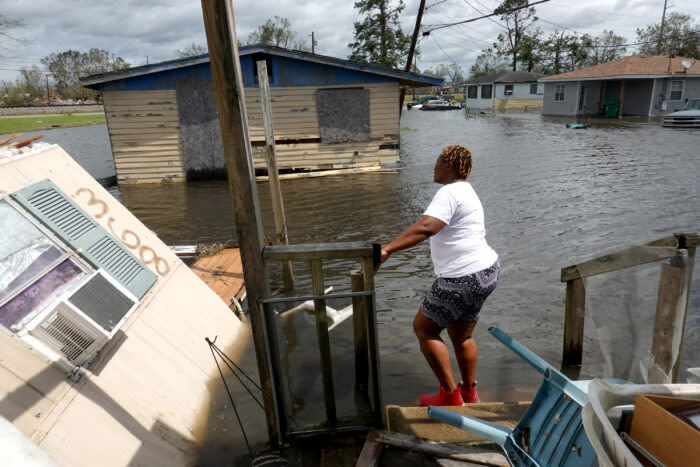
<point x="233" y="404"/>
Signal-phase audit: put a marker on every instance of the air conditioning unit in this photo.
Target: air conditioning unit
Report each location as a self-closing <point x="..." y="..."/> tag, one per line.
<point x="84" y="319"/>
<point x="508" y="92"/>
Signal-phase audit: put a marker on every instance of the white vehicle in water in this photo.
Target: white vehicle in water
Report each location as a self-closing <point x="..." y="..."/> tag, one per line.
<point x="687" y="117"/>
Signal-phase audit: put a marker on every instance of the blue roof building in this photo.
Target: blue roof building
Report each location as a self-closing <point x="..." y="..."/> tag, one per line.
<point x="328" y="113"/>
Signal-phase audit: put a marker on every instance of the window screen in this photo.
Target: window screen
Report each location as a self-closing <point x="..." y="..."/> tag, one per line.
<point x="533" y="89"/>
<point x="343" y="114"/>
<point x="471" y="92"/>
<point x="559" y="92"/>
<point x="486" y="91"/>
<point x="676" y="90"/>
<point x="508" y="90"/>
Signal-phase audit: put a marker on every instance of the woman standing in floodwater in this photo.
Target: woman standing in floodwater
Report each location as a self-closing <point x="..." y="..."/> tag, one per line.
<point x="467" y="271"/>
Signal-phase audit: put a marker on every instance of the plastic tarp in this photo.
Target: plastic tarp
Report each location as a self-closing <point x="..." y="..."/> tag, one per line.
<point x="621" y="308"/>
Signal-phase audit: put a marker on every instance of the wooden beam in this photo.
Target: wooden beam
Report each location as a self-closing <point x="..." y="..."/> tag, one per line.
<point x="475" y="455"/>
<point x="310" y="251"/>
<point x="224" y="63"/>
<point x="573" y="322"/>
<point x="271" y="161"/>
<point x="622" y="98"/>
<point x="324" y="346"/>
<point x="9" y="138"/>
<point x="369" y="456"/>
<point x="359" y="319"/>
<point x="619" y="260"/>
<point x="689" y="284"/>
<point x="670" y="316"/>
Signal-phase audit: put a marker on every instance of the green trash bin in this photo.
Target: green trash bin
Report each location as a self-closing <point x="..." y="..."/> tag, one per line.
<point x="612" y="108"/>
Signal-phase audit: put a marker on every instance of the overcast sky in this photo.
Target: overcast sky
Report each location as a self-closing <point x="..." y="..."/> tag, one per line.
<point x="135" y="30"/>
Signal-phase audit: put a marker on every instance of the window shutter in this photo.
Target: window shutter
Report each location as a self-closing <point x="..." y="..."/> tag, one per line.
<point x="71" y="224"/>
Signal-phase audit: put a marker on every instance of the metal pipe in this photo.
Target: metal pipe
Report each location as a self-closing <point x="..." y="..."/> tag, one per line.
<point x="492" y="432"/>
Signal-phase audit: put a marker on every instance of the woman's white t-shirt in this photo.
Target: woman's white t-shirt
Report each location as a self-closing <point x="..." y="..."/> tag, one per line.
<point x="460" y="247"/>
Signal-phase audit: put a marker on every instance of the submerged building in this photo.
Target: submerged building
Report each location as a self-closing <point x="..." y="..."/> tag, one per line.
<point x="641" y="85"/>
<point x="328" y="113"/>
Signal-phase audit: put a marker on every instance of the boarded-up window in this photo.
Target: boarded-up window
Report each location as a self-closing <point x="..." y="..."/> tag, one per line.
<point x="343" y="114"/>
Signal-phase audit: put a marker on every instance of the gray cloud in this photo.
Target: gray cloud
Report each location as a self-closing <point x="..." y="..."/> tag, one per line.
<point x="156" y="28"/>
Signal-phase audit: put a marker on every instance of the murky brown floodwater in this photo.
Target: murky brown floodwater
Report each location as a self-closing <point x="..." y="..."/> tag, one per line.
<point x="552" y="196"/>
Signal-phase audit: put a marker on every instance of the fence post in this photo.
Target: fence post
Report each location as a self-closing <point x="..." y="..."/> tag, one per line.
<point x="670" y="316"/>
<point x="359" y="321"/>
<point x="573" y="321"/>
<point x="323" y="342"/>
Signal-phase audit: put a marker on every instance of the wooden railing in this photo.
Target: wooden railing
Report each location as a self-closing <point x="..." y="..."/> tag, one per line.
<point x="364" y="320"/>
<point x="674" y="287"/>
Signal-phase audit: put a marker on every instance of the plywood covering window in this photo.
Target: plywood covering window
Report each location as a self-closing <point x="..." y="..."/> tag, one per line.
<point x="343" y="114"/>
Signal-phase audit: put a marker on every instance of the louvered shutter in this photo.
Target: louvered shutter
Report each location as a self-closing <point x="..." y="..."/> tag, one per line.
<point x="72" y="225"/>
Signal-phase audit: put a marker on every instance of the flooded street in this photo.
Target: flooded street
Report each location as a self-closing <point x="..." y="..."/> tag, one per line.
<point x="552" y="197"/>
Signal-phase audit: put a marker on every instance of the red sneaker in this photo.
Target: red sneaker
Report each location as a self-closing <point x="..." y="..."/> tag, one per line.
<point x="443" y="398"/>
<point x="470" y="396"/>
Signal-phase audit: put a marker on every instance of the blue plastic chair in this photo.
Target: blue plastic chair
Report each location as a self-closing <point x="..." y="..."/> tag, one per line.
<point x="551" y="431"/>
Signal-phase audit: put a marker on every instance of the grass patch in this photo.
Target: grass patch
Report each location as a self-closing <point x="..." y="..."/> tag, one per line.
<point x="408" y="128"/>
<point x="22" y="124"/>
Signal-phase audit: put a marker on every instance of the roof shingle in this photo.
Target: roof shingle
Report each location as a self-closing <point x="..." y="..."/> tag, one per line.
<point x="634" y="65"/>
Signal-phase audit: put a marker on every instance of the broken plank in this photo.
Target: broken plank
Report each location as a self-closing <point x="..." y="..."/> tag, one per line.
<point x="476" y="455"/>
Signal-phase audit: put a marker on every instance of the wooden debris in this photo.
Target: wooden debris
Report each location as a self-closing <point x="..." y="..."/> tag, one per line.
<point x="475" y="455"/>
<point x="9" y="138"/>
<point x="22" y="142"/>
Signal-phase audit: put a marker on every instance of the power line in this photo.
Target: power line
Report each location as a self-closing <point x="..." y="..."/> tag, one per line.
<point x="442" y="26"/>
<point x="481" y="13"/>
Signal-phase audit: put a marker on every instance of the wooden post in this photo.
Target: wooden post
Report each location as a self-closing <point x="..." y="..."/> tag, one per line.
<point x="271" y="161"/>
<point x="670" y="316"/>
<point x="622" y="98"/>
<point x="225" y="67"/>
<point x="359" y="320"/>
<point x="689" y="282"/>
<point x="324" y="346"/>
<point x="573" y="322"/>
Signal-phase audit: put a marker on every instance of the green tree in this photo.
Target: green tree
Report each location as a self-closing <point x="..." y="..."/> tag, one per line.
<point x="277" y="32"/>
<point x="518" y="41"/>
<point x="487" y="62"/>
<point x="379" y="39"/>
<point x="681" y="36"/>
<point x="555" y="52"/>
<point x="604" y="48"/>
<point x="68" y="67"/>
<point x="191" y="50"/>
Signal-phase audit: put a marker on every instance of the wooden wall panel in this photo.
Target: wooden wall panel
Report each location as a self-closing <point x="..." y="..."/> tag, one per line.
<point x="144" y="129"/>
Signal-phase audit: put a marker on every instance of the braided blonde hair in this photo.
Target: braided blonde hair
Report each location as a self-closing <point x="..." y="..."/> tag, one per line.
<point x="459" y="156"/>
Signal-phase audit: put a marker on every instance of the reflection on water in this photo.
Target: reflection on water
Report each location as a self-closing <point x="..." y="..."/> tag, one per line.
<point x="552" y="197"/>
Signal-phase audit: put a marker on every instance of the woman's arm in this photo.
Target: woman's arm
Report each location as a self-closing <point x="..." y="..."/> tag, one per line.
<point x="424" y="228"/>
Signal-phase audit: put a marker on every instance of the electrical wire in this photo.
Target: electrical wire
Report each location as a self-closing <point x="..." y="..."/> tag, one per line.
<point x="448" y="25"/>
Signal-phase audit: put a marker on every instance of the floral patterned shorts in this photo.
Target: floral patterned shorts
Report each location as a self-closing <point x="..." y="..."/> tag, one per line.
<point x="453" y="299"/>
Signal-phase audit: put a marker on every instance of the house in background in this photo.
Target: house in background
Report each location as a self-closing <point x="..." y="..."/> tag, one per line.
<point x="508" y="91"/>
<point x="328" y="113"/>
<point x="640" y="85"/>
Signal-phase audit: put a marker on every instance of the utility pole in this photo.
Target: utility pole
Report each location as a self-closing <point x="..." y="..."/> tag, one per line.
<point x="661" y="30"/>
<point x="48" y="95"/>
<point x="224" y="61"/>
<point x="146" y="59"/>
<point x="412" y="49"/>
<point x="313" y="43"/>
